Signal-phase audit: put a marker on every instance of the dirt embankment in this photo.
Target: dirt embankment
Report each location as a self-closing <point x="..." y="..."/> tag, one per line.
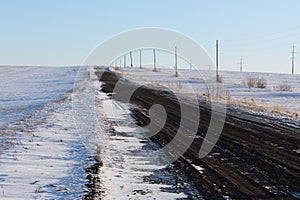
<point x="255" y="158"/>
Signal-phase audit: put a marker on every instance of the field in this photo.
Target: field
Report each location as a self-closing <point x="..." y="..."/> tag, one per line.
<point x="280" y="95"/>
<point x="65" y="135"/>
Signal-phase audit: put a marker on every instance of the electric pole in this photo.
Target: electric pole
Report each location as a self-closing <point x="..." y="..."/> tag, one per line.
<point x="217" y="60"/>
<point x="131" y="59"/>
<point x="124" y="60"/>
<point x="293" y="58"/>
<point x="241" y="64"/>
<point x="140" y="58"/>
<point x="176" y="73"/>
<point x="154" y="60"/>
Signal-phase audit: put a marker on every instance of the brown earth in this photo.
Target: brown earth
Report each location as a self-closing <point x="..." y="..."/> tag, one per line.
<point x="256" y="157"/>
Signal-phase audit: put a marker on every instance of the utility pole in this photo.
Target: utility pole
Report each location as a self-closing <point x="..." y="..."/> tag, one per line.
<point x="124" y="61"/>
<point x="217" y="60"/>
<point x="191" y="66"/>
<point x="131" y="59"/>
<point x="293" y="58"/>
<point x="241" y="64"/>
<point x="176" y="73"/>
<point x="154" y="60"/>
<point x="140" y="58"/>
<point x="120" y="62"/>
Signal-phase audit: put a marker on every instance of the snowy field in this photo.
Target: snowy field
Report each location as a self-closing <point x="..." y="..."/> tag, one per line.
<point x="53" y="119"/>
<point x="40" y="156"/>
<point x="24" y="89"/>
<point x="281" y="95"/>
<point x="54" y="123"/>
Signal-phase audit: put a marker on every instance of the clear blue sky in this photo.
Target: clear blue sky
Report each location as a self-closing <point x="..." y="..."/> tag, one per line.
<point x="57" y="32"/>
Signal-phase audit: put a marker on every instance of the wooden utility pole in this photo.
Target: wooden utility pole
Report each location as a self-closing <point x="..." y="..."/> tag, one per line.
<point x="217" y="61"/>
<point x="154" y="60"/>
<point x="176" y="72"/>
<point x="293" y="58"/>
<point x="140" y="58"/>
<point x="131" y="64"/>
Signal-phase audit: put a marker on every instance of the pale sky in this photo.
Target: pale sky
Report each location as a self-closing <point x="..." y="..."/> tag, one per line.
<point x="58" y="32"/>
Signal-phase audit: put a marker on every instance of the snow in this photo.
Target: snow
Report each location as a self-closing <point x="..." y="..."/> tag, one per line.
<point x="269" y="100"/>
<point x="48" y="136"/>
<point x="23" y="89"/>
<point x="44" y="156"/>
<point x="125" y="160"/>
<point x="46" y="159"/>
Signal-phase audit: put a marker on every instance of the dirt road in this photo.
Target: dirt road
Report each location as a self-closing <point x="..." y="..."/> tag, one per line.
<point x="256" y="157"/>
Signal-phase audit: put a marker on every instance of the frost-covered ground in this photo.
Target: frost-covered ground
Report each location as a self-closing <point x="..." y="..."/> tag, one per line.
<point x="128" y="160"/>
<point x="270" y="100"/>
<point x="53" y="119"/>
<point x="54" y="122"/>
<point x="41" y="156"/>
<point x="47" y="160"/>
<point x="24" y="89"/>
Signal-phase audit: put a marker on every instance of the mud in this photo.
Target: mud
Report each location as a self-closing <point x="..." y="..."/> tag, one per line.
<point x="256" y="157"/>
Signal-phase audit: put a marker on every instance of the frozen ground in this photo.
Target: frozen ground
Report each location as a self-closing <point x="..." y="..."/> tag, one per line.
<point x="49" y="136"/>
<point x="270" y="100"/>
<point x="48" y="133"/>
<point x="47" y="161"/>
<point x="24" y="89"/>
<point x="41" y="156"/>
<point x="127" y="161"/>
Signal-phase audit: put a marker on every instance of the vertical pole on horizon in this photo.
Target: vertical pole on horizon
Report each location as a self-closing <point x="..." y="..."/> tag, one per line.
<point x="131" y="65"/>
<point x="140" y="58"/>
<point x="124" y="61"/>
<point x="293" y="58"/>
<point x="217" y="61"/>
<point x="241" y="64"/>
<point x="154" y="60"/>
<point x="176" y="72"/>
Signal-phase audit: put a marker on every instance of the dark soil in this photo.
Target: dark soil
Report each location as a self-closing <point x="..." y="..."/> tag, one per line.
<point x="256" y="157"/>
